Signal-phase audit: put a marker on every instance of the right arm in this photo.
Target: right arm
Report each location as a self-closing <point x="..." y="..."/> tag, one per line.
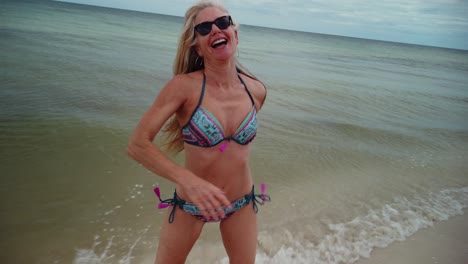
<point x="141" y="148"/>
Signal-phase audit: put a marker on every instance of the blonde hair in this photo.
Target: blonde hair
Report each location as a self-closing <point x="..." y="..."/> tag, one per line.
<point x="187" y="60"/>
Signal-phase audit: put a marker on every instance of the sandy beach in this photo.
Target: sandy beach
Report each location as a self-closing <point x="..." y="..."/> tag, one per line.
<point x="444" y="243"/>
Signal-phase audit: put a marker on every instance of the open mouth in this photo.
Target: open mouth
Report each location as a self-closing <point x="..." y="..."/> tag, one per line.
<point x="218" y="43"/>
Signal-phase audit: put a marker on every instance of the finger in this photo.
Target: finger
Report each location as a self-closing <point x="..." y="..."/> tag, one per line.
<point x="220" y="202"/>
<point x="223" y="200"/>
<point x="201" y="201"/>
<point x="215" y="203"/>
<point x="209" y="209"/>
<point x="202" y="208"/>
<point x="218" y="208"/>
<point x="204" y="212"/>
<point x="212" y="211"/>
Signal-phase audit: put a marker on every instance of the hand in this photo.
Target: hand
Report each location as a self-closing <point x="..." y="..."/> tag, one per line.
<point x="208" y="198"/>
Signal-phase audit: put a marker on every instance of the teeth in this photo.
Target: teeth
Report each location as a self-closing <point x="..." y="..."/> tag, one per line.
<point x="218" y="41"/>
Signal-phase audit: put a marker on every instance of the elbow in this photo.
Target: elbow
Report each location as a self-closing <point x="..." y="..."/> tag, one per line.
<point x="130" y="152"/>
<point x="133" y="149"/>
<point x="139" y="148"/>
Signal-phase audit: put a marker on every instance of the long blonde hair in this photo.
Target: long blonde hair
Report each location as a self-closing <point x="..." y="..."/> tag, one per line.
<point x="187" y="60"/>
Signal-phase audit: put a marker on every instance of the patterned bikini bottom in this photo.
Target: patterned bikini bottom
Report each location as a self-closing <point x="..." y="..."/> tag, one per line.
<point x="193" y="209"/>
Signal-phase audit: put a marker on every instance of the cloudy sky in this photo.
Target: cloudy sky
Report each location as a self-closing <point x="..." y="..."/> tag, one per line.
<point x="442" y="23"/>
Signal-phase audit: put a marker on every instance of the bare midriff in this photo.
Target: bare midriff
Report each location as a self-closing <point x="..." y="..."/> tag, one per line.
<point x="228" y="170"/>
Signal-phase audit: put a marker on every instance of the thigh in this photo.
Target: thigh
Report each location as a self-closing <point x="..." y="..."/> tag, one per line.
<point x="239" y="233"/>
<point x="177" y="238"/>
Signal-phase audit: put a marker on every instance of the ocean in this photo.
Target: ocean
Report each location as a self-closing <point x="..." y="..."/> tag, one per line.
<point x="362" y="143"/>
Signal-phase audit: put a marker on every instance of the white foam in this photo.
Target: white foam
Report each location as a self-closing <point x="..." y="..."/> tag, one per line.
<point x="343" y="243"/>
<point x="347" y="242"/>
<point x="91" y="256"/>
<point x="104" y="249"/>
<point x="127" y="258"/>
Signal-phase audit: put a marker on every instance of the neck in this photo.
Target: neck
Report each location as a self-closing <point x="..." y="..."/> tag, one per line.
<point x="222" y="74"/>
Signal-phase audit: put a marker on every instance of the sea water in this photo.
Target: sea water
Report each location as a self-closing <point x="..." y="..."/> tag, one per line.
<point x="361" y="143"/>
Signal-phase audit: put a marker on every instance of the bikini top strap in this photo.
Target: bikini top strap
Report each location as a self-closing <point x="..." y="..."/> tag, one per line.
<point x="247" y="89"/>
<point x="202" y="92"/>
<point x="199" y="101"/>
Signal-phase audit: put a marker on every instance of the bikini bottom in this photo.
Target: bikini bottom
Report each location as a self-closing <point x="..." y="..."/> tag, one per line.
<point x="192" y="209"/>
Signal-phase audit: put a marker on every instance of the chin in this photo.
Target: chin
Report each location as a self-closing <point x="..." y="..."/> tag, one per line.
<point x="224" y="55"/>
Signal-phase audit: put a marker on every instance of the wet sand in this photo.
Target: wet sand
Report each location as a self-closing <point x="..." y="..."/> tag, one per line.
<point x="444" y="243"/>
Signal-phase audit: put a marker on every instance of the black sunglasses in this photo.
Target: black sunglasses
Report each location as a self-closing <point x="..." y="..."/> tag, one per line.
<point x="221" y="22"/>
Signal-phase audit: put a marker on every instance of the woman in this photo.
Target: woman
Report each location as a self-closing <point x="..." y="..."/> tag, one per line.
<point x="213" y="101"/>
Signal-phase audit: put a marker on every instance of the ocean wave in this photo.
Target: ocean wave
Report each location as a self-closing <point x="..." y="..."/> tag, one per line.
<point x="347" y="242"/>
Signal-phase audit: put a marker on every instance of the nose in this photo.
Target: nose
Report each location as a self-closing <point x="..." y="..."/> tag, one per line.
<point x="214" y="27"/>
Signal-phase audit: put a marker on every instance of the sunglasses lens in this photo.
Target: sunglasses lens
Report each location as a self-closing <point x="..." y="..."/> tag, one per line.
<point x="222" y="22"/>
<point x="205" y="27"/>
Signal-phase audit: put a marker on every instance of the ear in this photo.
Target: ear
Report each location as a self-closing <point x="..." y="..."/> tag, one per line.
<point x="198" y="50"/>
<point x="237" y="36"/>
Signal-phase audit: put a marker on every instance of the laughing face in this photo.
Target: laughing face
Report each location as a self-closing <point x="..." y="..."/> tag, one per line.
<point x="214" y="42"/>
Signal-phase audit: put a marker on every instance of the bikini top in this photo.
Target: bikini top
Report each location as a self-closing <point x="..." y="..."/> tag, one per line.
<point x="204" y="130"/>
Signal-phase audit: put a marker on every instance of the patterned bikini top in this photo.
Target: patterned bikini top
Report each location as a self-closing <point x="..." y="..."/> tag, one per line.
<point x="204" y="130"/>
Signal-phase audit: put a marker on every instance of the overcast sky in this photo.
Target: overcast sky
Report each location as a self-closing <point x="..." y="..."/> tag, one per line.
<point x="442" y="23"/>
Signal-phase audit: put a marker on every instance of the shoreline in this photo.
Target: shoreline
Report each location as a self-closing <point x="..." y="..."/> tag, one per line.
<point x="444" y="242"/>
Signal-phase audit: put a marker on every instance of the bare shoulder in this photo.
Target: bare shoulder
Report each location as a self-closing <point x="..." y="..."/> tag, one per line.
<point x="257" y="89"/>
<point x="180" y="84"/>
<point x="180" y="87"/>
